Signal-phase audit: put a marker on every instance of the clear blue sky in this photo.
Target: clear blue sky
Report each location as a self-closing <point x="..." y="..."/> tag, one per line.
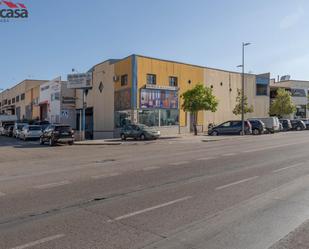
<point x="61" y="35"/>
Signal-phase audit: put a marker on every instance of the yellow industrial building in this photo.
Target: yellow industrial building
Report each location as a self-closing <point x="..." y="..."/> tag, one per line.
<point x="22" y="100"/>
<point x="146" y="90"/>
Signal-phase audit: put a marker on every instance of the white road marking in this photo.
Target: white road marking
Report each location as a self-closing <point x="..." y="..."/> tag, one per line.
<point x="229" y="154"/>
<point x="52" y="185"/>
<point x="254" y="150"/>
<point x="150" y="209"/>
<point x="38" y="242"/>
<point x="289" y="167"/>
<point x="151" y="168"/>
<point x="205" y="158"/>
<point x="235" y="183"/>
<point x="179" y="163"/>
<point x="105" y="175"/>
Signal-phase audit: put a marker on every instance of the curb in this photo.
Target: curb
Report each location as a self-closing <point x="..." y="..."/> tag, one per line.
<point x="106" y="143"/>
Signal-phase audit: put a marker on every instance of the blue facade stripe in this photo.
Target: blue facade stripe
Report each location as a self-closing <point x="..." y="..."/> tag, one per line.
<point x="262" y="81"/>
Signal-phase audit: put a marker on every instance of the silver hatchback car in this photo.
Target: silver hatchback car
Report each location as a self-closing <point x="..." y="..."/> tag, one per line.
<point x="30" y="132"/>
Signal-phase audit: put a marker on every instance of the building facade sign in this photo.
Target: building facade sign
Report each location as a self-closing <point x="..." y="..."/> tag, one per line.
<point x="80" y="80"/>
<point x="170" y="88"/>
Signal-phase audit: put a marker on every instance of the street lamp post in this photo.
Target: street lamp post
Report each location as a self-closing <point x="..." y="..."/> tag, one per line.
<point x="243" y="88"/>
<point x="1" y="107"/>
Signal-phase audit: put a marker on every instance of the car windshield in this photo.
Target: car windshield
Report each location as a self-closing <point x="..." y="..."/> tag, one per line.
<point x="34" y="128"/>
<point x="63" y="128"/>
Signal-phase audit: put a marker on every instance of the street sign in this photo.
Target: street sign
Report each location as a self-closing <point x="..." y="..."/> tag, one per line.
<point x="80" y="80"/>
<point x="64" y="113"/>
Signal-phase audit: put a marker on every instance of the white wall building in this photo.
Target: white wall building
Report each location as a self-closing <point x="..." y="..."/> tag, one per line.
<point x="57" y="102"/>
<point x="299" y="93"/>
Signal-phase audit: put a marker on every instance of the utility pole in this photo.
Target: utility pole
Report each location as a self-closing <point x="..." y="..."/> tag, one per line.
<point x="243" y="88"/>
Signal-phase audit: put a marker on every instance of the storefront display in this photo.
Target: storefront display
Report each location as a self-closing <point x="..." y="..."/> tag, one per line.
<point x="157" y="98"/>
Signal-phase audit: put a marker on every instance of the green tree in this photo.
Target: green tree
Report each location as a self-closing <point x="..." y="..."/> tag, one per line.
<point x="282" y="104"/>
<point x="237" y="109"/>
<point x="199" y="98"/>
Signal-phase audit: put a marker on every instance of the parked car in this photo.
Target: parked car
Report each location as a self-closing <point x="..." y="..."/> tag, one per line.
<point x="43" y="124"/>
<point x="139" y="131"/>
<point x="57" y="133"/>
<point x="306" y="121"/>
<point x="232" y="127"/>
<point x="298" y="125"/>
<point x="286" y="124"/>
<point x="8" y="130"/>
<point x="272" y="124"/>
<point x="258" y="127"/>
<point x="17" y="129"/>
<point x="30" y="132"/>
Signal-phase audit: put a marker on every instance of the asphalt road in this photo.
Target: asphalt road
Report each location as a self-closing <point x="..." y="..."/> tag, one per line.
<point x="239" y="193"/>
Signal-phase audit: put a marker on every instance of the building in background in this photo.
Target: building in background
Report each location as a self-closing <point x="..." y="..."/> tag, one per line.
<point x="57" y="102"/>
<point x="22" y="100"/>
<point x="146" y="90"/>
<point x="299" y="92"/>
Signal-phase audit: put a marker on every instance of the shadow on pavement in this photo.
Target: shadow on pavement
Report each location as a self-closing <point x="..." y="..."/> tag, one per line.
<point x="19" y="144"/>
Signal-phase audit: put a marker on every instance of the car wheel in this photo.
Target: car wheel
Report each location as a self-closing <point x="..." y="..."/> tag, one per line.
<point x="51" y="142"/>
<point x="71" y="143"/>
<point x="123" y="137"/>
<point x="256" y="132"/>
<point x="142" y="137"/>
<point x="215" y="133"/>
<point x="41" y="141"/>
<point x="298" y="128"/>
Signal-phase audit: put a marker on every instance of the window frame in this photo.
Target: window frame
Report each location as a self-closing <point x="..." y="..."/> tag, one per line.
<point x="153" y="77"/>
<point x="263" y="94"/>
<point x="124" y="80"/>
<point x="170" y="78"/>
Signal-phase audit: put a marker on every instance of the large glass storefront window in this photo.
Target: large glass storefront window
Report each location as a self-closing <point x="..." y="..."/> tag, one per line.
<point x="158" y="117"/>
<point x="261" y="90"/>
<point x="159" y="107"/>
<point x="262" y="85"/>
<point x="149" y="117"/>
<point x="169" y="117"/>
<point x="300" y="111"/>
<point x="122" y="118"/>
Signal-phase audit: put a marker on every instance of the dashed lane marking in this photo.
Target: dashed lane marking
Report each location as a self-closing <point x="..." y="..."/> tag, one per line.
<point x="236" y="183"/>
<point x="289" y="167"/>
<point x="52" y="185"/>
<point x="205" y="158"/>
<point x="229" y="154"/>
<point x="150" y="208"/>
<point x="179" y="163"/>
<point x="105" y="175"/>
<point x="40" y="241"/>
<point x="151" y="168"/>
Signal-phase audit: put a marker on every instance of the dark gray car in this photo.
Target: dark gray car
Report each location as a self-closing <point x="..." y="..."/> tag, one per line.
<point x="232" y="127"/>
<point x="139" y="131"/>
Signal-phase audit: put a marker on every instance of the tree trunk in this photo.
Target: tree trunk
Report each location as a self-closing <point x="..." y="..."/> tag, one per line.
<point x="195" y="124"/>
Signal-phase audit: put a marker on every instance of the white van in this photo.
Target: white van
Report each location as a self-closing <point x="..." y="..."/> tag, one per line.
<point x="272" y="124"/>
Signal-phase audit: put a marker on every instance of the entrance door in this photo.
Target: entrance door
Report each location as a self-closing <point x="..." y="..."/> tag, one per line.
<point x="89" y="123"/>
<point x="43" y="112"/>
